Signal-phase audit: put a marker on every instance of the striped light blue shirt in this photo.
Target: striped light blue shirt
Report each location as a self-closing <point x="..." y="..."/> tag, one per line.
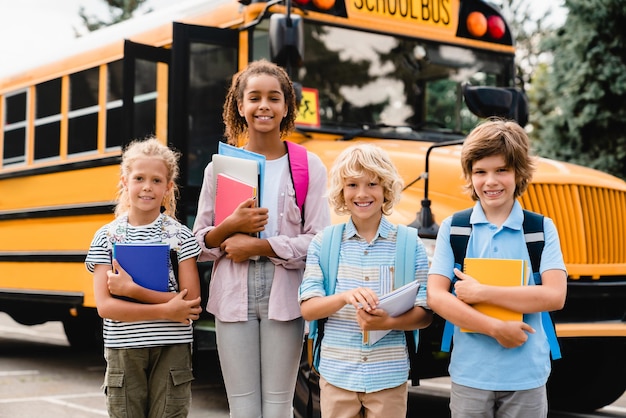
<point x="345" y="361"/>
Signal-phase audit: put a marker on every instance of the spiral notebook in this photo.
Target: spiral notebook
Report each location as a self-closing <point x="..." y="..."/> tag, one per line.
<point x="229" y="193"/>
<point x="147" y="264"/>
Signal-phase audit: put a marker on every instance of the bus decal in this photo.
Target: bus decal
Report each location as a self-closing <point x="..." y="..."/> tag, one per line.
<point x="436" y="13"/>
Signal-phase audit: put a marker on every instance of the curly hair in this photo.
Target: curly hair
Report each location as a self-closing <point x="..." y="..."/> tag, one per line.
<point x="149" y="147"/>
<point x="499" y="137"/>
<point x="235" y="124"/>
<point x="369" y="160"/>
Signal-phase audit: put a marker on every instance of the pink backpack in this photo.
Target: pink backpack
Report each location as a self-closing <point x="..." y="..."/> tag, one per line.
<point x="299" y="169"/>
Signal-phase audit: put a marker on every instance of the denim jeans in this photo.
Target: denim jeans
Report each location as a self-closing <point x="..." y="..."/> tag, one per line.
<point x="260" y="357"/>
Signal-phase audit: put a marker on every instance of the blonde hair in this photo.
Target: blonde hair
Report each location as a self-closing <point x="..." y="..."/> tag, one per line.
<point x="235" y="124"/>
<point x="149" y="148"/>
<point x="364" y="160"/>
<point x="499" y="137"/>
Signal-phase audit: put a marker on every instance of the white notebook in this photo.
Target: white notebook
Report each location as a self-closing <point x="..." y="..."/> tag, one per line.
<point x="395" y="304"/>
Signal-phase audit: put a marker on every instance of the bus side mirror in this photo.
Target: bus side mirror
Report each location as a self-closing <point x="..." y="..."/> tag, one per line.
<point x="286" y="40"/>
<point x="509" y="103"/>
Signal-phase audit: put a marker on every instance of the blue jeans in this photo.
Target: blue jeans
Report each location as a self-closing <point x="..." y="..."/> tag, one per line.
<point x="260" y="357"/>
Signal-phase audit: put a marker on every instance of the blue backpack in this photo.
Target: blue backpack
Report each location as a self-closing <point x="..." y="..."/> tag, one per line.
<point x="406" y="244"/>
<point x="460" y="231"/>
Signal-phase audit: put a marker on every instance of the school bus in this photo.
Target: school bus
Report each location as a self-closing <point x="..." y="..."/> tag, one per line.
<point x="412" y="77"/>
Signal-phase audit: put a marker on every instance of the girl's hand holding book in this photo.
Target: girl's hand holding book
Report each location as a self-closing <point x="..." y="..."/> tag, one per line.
<point x="184" y="311"/>
<point x="120" y="283"/>
<point x="248" y="218"/>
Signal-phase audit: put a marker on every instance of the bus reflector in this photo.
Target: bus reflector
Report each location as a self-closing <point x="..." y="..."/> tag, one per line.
<point x="496" y="27"/>
<point x="324" y="4"/>
<point x="476" y="24"/>
<point x="302" y="2"/>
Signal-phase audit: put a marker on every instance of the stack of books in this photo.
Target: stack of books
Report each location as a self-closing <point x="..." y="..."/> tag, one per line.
<point x="238" y="176"/>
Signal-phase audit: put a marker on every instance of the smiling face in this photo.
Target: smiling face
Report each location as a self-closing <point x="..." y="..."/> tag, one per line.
<point x="263" y="105"/>
<point x="364" y="198"/>
<point x="146" y="186"/>
<point x="494" y="183"/>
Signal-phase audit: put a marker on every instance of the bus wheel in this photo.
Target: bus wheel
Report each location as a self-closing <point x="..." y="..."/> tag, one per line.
<point x="591" y="374"/>
<point x="84" y="331"/>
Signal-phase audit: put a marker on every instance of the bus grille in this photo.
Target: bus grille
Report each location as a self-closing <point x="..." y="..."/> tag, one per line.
<point x="602" y="212"/>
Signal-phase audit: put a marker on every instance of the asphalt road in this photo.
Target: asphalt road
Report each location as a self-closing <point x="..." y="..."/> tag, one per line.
<point x="41" y="376"/>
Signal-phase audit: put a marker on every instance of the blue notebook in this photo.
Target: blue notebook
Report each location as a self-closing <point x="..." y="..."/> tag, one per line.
<point x="147" y="264"/>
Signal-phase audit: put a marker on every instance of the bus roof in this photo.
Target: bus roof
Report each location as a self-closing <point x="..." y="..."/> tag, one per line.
<point x="156" y="25"/>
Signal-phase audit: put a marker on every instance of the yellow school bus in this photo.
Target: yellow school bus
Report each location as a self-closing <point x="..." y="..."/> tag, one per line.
<point x="412" y="77"/>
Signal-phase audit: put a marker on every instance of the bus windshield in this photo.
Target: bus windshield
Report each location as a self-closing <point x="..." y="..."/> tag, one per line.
<point x="370" y="80"/>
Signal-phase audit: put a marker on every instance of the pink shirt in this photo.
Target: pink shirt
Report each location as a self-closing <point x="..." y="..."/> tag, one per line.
<point x="228" y="289"/>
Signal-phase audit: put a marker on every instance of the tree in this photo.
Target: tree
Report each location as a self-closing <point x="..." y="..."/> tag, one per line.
<point x="120" y="10"/>
<point x="528" y="31"/>
<point x="582" y="99"/>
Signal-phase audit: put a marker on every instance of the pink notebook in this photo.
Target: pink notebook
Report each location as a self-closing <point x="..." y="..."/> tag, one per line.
<point x="229" y="193"/>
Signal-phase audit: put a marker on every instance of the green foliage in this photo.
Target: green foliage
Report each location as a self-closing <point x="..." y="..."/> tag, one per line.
<point x="120" y="10"/>
<point x="581" y="99"/>
<point x="528" y="30"/>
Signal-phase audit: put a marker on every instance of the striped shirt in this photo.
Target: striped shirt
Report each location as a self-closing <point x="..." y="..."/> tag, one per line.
<point x="345" y="361"/>
<point x="118" y="334"/>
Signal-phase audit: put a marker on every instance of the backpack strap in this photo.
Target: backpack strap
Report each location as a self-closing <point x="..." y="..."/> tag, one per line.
<point x="299" y="169"/>
<point x="534" y="237"/>
<point x="406" y="245"/>
<point x="329" y="264"/>
<point x="460" y="231"/>
<point x="535" y="241"/>
<point x="329" y="256"/>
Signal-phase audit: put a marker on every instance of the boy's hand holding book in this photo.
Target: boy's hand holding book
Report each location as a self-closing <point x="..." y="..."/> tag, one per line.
<point x="376" y="319"/>
<point x="468" y="288"/>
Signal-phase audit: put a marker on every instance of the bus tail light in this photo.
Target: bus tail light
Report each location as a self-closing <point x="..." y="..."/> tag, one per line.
<point x="482" y="21"/>
<point x="324" y="4"/>
<point x="476" y="24"/>
<point x="496" y="27"/>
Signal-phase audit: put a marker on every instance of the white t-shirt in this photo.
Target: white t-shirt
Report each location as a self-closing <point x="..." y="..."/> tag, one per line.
<point x="274" y="170"/>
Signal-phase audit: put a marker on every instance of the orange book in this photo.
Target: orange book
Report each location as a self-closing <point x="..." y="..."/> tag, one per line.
<point x="497" y="272"/>
<point x="229" y="193"/>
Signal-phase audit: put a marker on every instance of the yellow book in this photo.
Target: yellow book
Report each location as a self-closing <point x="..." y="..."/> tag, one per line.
<point x="497" y="272"/>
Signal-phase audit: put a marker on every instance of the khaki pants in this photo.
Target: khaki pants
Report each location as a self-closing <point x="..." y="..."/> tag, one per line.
<point x="340" y="403"/>
<point x="148" y="382"/>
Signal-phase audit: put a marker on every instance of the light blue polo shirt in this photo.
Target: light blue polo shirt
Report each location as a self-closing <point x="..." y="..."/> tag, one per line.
<point x="477" y="360"/>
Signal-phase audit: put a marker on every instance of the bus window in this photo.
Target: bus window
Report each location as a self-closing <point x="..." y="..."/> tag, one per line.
<point x="83" y="115"/>
<point x="206" y="103"/>
<point x="373" y="79"/>
<point x="14" y="147"/>
<point x="114" y="105"/>
<point x="145" y="98"/>
<point x="261" y="42"/>
<point x="48" y="120"/>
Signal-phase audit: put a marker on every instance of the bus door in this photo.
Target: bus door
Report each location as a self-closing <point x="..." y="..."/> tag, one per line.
<point x="145" y="92"/>
<point x="204" y="60"/>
